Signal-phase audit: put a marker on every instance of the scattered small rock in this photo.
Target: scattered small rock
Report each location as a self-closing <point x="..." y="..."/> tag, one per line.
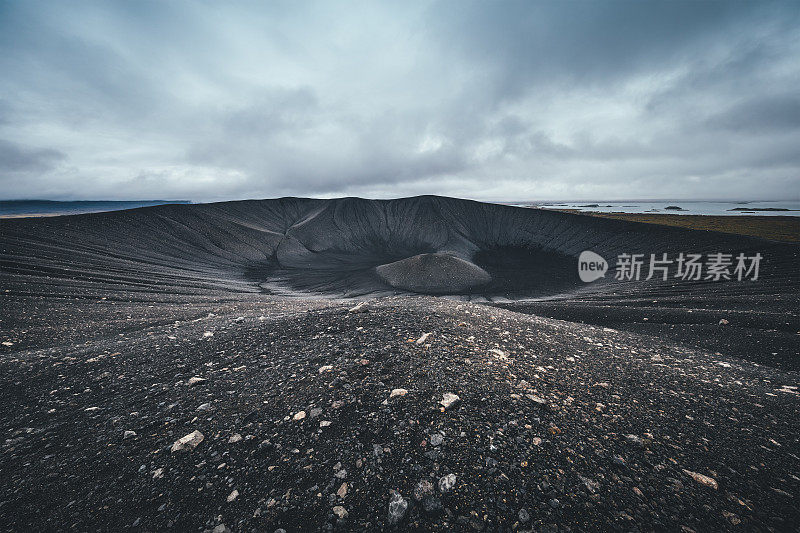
<point x="359" y="308"/>
<point x="397" y="508"/>
<point x="422" y="489"/>
<point x="634" y="439"/>
<point x="702" y="479"/>
<point x="446" y="483"/>
<point x="499" y="353"/>
<point x="449" y="400"/>
<point x="537" y="400"/>
<point x="188" y="442"/>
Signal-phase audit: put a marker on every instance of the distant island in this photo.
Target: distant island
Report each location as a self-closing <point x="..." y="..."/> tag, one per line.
<point x="761" y="209"/>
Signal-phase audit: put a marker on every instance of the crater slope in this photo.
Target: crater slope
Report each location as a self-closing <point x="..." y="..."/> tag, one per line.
<point x="523" y="259"/>
<point x="351" y="247"/>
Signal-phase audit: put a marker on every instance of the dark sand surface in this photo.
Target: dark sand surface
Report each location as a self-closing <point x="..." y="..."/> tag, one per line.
<point x="650" y="406"/>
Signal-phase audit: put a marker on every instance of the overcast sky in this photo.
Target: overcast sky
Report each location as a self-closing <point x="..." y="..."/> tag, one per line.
<point x="486" y="100"/>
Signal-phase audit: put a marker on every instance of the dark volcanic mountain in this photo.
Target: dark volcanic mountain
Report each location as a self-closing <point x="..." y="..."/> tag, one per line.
<point x="352" y="247"/>
<point x="201" y="367"/>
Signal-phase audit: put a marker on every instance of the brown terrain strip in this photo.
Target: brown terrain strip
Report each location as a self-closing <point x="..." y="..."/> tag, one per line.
<point x="778" y="228"/>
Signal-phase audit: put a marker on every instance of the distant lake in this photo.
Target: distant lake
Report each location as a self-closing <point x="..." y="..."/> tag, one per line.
<point x="777" y="208"/>
<point x="22" y="208"/>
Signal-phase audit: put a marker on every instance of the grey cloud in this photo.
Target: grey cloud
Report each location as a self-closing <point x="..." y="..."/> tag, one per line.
<point x="761" y="115"/>
<point x="529" y="45"/>
<point x="490" y="100"/>
<point x="5" y="112"/>
<point x="16" y="158"/>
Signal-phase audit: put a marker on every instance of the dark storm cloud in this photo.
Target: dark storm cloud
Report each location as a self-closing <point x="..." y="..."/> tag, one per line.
<point x="491" y="100"/>
<point x="15" y="158"/>
<point x="763" y="115"/>
<point x="525" y="43"/>
<point x="5" y="112"/>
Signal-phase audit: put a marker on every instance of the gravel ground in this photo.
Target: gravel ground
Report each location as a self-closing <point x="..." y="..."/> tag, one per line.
<point x="198" y="368"/>
<point x="557" y="426"/>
